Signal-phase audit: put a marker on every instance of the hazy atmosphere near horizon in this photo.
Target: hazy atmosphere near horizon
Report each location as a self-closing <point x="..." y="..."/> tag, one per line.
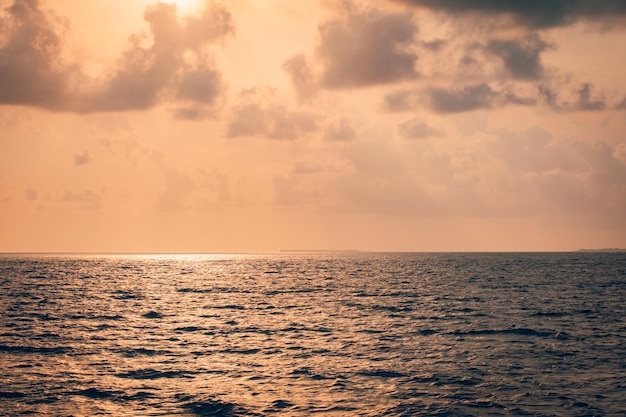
<point x="263" y="125"/>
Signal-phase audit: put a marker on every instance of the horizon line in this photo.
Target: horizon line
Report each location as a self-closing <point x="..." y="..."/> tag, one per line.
<point x="299" y="251"/>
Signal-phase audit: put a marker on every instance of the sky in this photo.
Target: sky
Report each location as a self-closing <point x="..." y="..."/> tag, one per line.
<point x="267" y="125"/>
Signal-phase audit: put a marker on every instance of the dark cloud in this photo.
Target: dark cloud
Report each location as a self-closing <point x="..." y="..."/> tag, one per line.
<point x="475" y="97"/>
<point x="533" y="13"/>
<point x="622" y="104"/>
<point x="549" y="95"/>
<point x="586" y="102"/>
<point x="521" y="57"/>
<point x="260" y="113"/>
<point x="176" y="66"/>
<point x="418" y="129"/>
<point x="367" y="48"/>
<point x="31" y="72"/>
<point x="441" y="100"/>
<point x="583" y="99"/>
<point x="200" y="85"/>
<point x="435" y="45"/>
<point x="363" y="47"/>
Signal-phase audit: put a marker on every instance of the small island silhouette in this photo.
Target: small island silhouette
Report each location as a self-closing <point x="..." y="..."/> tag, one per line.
<point x="603" y="250"/>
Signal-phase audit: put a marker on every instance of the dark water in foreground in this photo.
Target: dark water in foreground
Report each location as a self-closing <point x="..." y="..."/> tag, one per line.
<point x="314" y="334"/>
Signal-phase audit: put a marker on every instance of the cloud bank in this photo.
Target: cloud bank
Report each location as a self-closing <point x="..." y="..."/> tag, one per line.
<point x="536" y="14"/>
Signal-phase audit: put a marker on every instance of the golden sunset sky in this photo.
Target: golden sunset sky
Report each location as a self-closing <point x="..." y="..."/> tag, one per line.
<point x="261" y="125"/>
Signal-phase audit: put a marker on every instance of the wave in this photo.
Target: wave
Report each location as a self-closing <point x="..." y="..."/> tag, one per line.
<point x="150" y="373"/>
<point x="217" y="408"/>
<point x="57" y="350"/>
<point x="12" y="394"/>
<point x="517" y="331"/>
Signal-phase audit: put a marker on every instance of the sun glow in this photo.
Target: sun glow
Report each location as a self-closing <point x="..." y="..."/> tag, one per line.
<point x="183" y="6"/>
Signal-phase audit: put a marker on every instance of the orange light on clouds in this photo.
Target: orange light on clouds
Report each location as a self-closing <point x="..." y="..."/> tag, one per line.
<point x="183" y="6"/>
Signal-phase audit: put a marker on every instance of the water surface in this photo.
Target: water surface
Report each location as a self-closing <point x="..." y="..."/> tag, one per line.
<point x="314" y="334"/>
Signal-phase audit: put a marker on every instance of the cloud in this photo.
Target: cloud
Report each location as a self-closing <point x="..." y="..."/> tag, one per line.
<point x="401" y="101"/>
<point x="85" y="199"/>
<point x="191" y="113"/>
<point x="31" y="71"/>
<point x="145" y="74"/>
<point x="285" y="192"/>
<point x="474" y="97"/>
<point x="261" y="113"/>
<point x="560" y="98"/>
<point x="521" y="57"/>
<point x="376" y="159"/>
<point x="442" y="100"/>
<point x="533" y="151"/>
<point x="586" y="102"/>
<point x="514" y="173"/>
<point x="201" y="88"/>
<point x="418" y="129"/>
<point x="302" y="77"/>
<point x="31" y="194"/>
<point x="82" y="159"/>
<point x="620" y="153"/>
<point x="570" y="176"/>
<point x="578" y="100"/>
<point x="384" y="180"/>
<point x="404" y="196"/>
<point x="533" y="14"/>
<point x="340" y="131"/>
<point x="435" y="45"/>
<point x="177" y="66"/>
<point x="306" y="167"/>
<point x="177" y="187"/>
<point x="200" y="85"/>
<point x="142" y="72"/>
<point x="367" y="48"/>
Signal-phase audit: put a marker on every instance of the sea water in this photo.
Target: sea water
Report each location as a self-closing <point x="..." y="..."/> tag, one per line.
<point x="300" y="334"/>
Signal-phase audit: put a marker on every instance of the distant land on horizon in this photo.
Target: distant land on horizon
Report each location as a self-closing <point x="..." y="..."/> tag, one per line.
<point x="603" y="250"/>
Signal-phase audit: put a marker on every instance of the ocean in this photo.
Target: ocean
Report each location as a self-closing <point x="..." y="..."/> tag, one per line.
<point x="301" y="334"/>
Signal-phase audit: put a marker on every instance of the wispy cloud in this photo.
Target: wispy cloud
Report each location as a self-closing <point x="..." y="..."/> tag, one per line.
<point x="261" y="113"/>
